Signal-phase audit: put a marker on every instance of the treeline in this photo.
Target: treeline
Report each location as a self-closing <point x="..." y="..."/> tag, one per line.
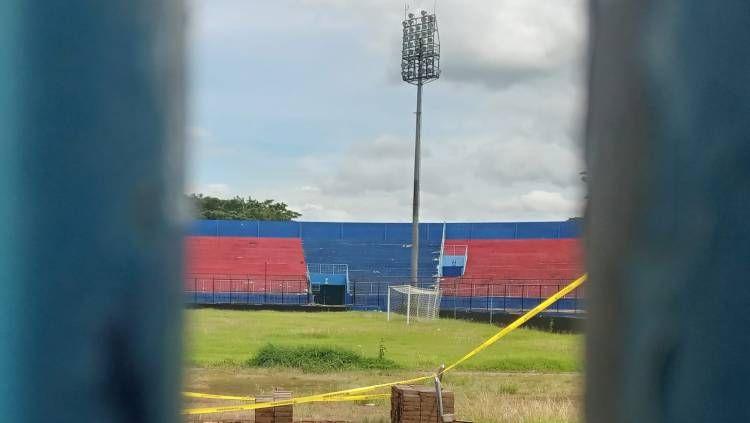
<point x="238" y="208"/>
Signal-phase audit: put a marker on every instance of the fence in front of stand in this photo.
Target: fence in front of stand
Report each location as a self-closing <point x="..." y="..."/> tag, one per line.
<point x="458" y="294"/>
<point x="477" y="294"/>
<point x="246" y="289"/>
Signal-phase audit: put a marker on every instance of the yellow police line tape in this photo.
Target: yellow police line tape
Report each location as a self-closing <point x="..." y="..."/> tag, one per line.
<point x="349" y="394"/>
<point x="219" y="397"/>
<point x="245" y="398"/>
<point x="367" y="397"/>
<point x="234" y="408"/>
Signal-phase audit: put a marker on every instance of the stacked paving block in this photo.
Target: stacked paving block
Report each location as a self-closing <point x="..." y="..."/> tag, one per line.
<point x="323" y="421"/>
<point x="281" y="414"/>
<point x="419" y="404"/>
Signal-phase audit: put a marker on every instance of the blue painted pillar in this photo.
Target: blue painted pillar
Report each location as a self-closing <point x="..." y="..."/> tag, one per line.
<point x="91" y="158"/>
<point x="668" y="223"/>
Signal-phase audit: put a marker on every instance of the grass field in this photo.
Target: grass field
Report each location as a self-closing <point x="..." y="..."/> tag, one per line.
<point x="229" y="338"/>
<point x="528" y="377"/>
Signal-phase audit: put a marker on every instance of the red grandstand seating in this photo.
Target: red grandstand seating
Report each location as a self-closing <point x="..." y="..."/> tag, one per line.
<point x="521" y="261"/>
<point x="245" y="264"/>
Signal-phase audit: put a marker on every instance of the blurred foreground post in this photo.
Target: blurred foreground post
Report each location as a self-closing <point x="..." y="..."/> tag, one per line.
<point x="668" y="229"/>
<point x="91" y="158"/>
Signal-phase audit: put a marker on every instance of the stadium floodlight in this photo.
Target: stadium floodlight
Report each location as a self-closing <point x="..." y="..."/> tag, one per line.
<point x="420" y="64"/>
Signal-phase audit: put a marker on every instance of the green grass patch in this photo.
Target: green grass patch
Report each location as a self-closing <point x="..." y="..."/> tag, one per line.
<point x="228" y="338"/>
<point x="317" y="359"/>
<point x="532" y="364"/>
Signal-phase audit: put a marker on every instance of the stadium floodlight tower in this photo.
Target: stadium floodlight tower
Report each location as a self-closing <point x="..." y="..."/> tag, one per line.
<point x="420" y="64"/>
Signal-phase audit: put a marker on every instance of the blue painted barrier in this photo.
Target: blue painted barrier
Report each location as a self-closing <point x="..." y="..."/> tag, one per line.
<point x="376" y="232"/>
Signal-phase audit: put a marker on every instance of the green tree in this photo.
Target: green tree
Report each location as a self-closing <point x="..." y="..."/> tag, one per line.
<point x="238" y="208"/>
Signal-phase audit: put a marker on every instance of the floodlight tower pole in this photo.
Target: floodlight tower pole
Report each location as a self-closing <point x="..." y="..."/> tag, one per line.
<point x="420" y="64"/>
<point x="417" y="172"/>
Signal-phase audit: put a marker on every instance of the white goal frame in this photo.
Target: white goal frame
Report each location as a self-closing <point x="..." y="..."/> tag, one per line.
<point x="432" y="304"/>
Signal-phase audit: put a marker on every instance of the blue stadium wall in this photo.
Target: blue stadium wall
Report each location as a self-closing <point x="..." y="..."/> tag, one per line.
<point x="384" y="231"/>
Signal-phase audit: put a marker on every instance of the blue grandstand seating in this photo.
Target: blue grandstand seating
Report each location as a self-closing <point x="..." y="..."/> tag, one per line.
<point x="374" y="252"/>
<point x="379" y="254"/>
<point x="374" y="261"/>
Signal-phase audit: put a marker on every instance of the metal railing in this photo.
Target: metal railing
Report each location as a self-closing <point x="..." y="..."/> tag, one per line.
<point x="458" y="294"/>
<point x="246" y="289"/>
<point x="456" y="250"/>
<point x="329" y="269"/>
<point x="479" y="295"/>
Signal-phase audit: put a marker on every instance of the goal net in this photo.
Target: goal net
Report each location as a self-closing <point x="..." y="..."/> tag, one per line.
<point x="415" y="303"/>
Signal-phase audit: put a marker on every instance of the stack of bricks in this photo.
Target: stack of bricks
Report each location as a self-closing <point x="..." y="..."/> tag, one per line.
<point x="323" y="421"/>
<point x="281" y="414"/>
<point x="419" y="404"/>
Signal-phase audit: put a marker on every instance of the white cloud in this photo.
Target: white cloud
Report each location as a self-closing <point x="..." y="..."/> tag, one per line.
<point x="509" y="41"/>
<point x="462" y="179"/>
<point x="548" y="202"/>
<point x="518" y="161"/>
<point x="379" y="165"/>
<point x="309" y="188"/>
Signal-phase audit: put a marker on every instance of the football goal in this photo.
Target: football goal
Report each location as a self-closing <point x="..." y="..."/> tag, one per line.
<point x="415" y="303"/>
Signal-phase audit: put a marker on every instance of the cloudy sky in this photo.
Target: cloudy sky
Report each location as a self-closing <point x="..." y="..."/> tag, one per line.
<point x="301" y="101"/>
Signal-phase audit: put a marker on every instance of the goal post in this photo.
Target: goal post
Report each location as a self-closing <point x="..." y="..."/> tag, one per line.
<point x="414" y="303"/>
